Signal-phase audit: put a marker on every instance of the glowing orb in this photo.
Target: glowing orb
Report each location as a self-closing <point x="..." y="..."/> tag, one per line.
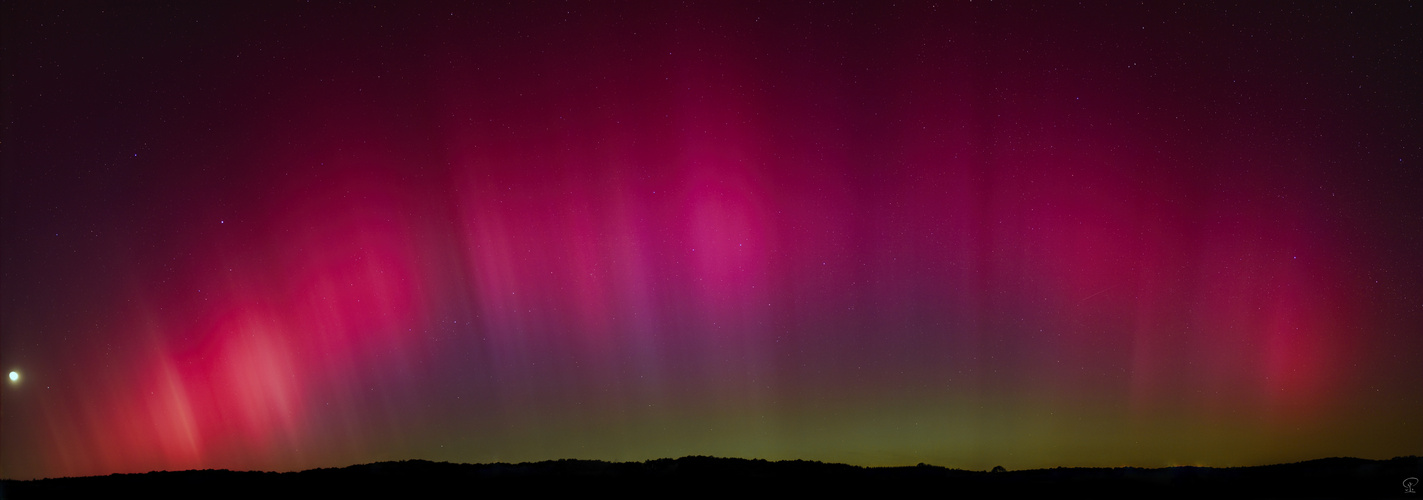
<point x="14" y="376"/>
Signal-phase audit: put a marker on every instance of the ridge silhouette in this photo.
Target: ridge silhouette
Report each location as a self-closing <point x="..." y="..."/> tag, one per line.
<point x="1328" y="477"/>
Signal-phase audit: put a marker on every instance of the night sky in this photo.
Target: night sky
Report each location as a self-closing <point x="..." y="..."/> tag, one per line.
<point x="313" y="235"/>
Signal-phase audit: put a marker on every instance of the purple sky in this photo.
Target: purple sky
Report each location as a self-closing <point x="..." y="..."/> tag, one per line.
<point x="966" y="234"/>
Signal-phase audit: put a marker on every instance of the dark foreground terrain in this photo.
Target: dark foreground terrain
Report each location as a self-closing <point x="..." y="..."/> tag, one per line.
<point x="1324" y="478"/>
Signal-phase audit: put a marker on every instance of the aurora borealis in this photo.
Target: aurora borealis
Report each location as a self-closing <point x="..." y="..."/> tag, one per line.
<point x="970" y="234"/>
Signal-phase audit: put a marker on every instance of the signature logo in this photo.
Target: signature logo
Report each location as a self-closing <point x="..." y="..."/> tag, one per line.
<point x="1409" y="483"/>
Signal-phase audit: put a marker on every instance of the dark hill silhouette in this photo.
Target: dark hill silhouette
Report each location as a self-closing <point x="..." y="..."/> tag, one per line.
<point x="1324" y="478"/>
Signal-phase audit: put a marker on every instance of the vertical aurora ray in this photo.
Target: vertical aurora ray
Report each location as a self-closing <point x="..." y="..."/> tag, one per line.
<point x="968" y="236"/>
